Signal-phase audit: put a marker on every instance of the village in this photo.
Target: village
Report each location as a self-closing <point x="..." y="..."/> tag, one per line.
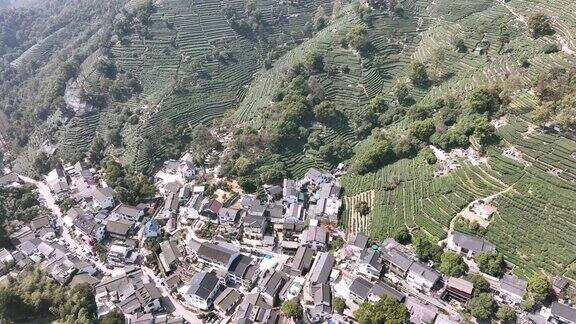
<point x="204" y="253"/>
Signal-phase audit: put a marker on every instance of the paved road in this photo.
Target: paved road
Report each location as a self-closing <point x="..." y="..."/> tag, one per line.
<point x="74" y="246"/>
<point x="50" y="202"/>
<point x="179" y="309"/>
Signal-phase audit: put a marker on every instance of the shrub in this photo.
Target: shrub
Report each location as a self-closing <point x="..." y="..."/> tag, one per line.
<point x="551" y="48"/>
<point x="418" y="75"/>
<point x="540" y="25"/>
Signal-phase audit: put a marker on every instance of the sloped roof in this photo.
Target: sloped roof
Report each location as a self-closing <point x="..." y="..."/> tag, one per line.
<point x="202" y="284"/>
<point x="228" y="298"/>
<point x="424" y="271"/>
<point x="100" y="194"/>
<point x="460" y="284"/>
<point x="473" y="243"/>
<point x="322" y="268"/>
<point x="127" y="210"/>
<point x="302" y="259"/>
<point x="380" y="289"/>
<point x="221" y="253"/>
<point x="361" y="287"/>
<point x="9" y="178"/>
<point x="360" y="240"/>
<point x="119" y="227"/>
<point x="513" y="285"/>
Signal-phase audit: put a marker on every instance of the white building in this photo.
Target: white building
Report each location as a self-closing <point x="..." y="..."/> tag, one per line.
<point x="201" y="291"/>
<point x="422" y="277"/>
<point x="127" y="212"/>
<point x="103" y="198"/>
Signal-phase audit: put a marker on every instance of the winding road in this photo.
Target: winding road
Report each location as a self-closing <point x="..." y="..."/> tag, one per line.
<point x="50" y="203"/>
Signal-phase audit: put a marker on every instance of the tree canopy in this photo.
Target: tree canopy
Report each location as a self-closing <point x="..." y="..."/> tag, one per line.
<point x="403" y="236"/>
<point x="37" y="296"/>
<point x="386" y="310"/>
<point x="452" y="264"/>
<point x="480" y="283"/>
<point x="418" y="75"/>
<point x="539" y="289"/>
<point x="490" y="263"/>
<point x="426" y="250"/>
<point x="114" y="317"/>
<point x="356" y="37"/>
<point x="540" y="24"/>
<point x="362" y="208"/>
<point x="339" y="305"/>
<point x="292" y="308"/>
<point x="482" y="307"/>
<point x="506" y="314"/>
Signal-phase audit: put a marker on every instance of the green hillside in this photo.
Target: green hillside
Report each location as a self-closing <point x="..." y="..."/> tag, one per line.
<point x="315" y="83"/>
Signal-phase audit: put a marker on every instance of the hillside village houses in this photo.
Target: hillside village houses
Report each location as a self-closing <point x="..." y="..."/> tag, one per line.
<point x="234" y="256"/>
<point x="468" y="245"/>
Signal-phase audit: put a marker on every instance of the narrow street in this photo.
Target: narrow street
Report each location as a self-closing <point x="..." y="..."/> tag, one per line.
<point x="50" y="203"/>
<point x="178" y="309"/>
<point x="45" y="193"/>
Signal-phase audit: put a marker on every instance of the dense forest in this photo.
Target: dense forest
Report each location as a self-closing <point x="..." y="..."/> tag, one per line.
<point x="36" y="296"/>
<point x="17" y="204"/>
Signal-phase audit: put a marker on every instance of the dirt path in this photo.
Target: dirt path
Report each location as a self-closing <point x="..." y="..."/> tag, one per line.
<point x="488" y="198"/>
<point x="565" y="43"/>
<point x="517" y="15"/>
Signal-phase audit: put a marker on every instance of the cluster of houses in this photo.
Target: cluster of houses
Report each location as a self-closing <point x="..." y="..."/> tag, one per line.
<point x="450" y="161"/>
<point x="238" y="257"/>
<point x="276" y="222"/>
<point x="95" y="214"/>
<point x="261" y="252"/>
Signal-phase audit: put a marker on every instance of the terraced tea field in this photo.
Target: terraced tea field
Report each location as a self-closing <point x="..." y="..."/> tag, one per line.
<point x="536" y="222"/>
<point x="407" y="195"/>
<point x="184" y="51"/>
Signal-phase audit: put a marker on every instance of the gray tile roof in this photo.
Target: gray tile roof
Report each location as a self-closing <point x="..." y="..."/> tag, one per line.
<point x="400" y="260"/>
<point x="127" y="210"/>
<point x="170" y="251"/>
<point x="424" y="271"/>
<point x="202" y="284"/>
<point x="322" y="268"/>
<point x="227" y="299"/>
<point x="513" y="285"/>
<point x="86" y="224"/>
<point x="360" y="240"/>
<point x="254" y="221"/>
<point x="101" y="194"/>
<point x="371" y="257"/>
<point x="323" y="295"/>
<point x="563" y="311"/>
<point x="119" y="227"/>
<point x="240" y="265"/>
<point x="9" y="178"/>
<point x="228" y="214"/>
<point x="380" y="289"/>
<point x="273" y="283"/>
<point x="257" y="209"/>
<point x="473" y="243"/>
<point x="290" y="188"/>
<point x="217" y="252"/>
<point x="317" y="234"/>
<point x="276" y="211"/>
<point x="302" y="259"/>
<point x="361" y="287"/>
<point x="460" y="284"/>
